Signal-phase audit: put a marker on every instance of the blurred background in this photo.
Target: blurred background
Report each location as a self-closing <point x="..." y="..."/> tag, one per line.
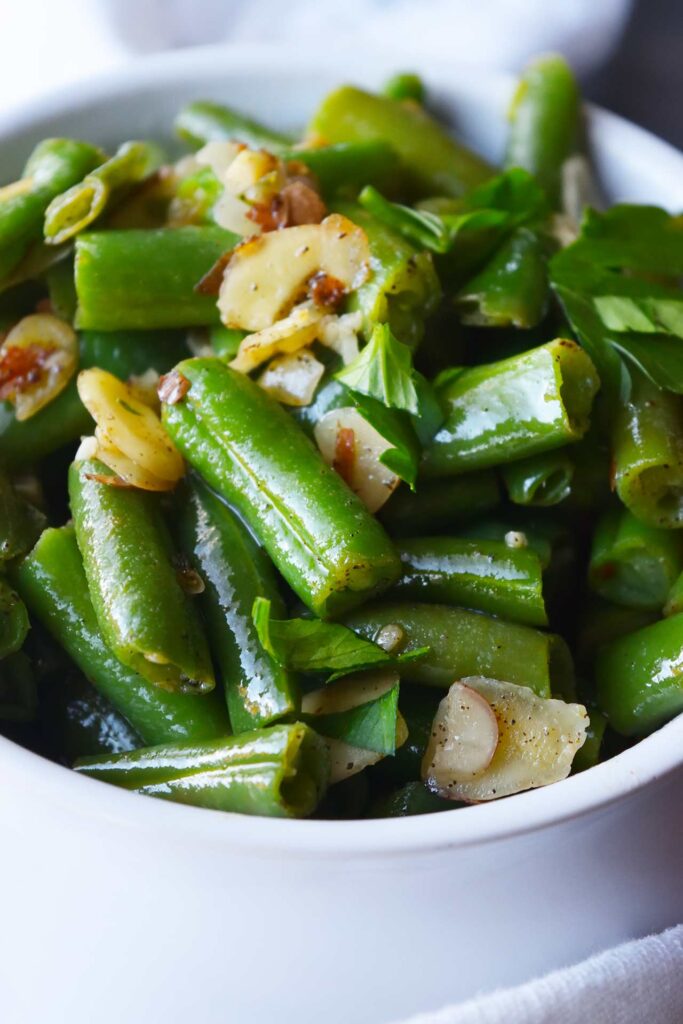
<point x="627" y="52"/>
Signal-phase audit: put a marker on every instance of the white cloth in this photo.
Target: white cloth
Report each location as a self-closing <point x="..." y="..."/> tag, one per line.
<point x="640" y="982"/>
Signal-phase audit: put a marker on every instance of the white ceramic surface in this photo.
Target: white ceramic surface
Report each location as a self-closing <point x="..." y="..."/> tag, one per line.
<point x="115" y="908"/>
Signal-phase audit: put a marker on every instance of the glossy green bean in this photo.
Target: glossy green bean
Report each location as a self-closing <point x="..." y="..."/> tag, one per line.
<point x="347" y="167"/>
<point x="51" y="580"/>
<point x="202" y="121"/>
<point x="78" y="721"/>
<point x="405" y="86"/>
<point x="149" y="622"/>
<point x="54" y="166"/>
<point x="517" y="407"/>
<point x="330" y="550"/>
<point x="647" y="450"/>
<point x="20" y="522"/>
<point x="639" y="680"/>
<point x="13" y="621"/>
<point x="541" y="481"/>
<point x="441" y="506"/>
<point x="436" y="163"/>
<point x="512" y="289"/>
<point x="235" y="571"/>
<point x="279" y="772"/>
<point x="75" y="209"/>
<point x="466" y="643"/>
<point x="600" y="623"/>
<point x="487" y="576"/>
<point x="632" y="563"/>
<point x="146" y="279"/>
<point x="544" y="122"/>
<point x="413" y="798"/>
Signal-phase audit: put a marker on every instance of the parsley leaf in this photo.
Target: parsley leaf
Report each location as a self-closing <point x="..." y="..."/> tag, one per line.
<point x="383" y="370"/>
<point x="370" y="726"/>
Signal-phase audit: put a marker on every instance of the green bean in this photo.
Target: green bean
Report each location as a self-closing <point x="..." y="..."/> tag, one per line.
<point x="51" y="580"/>
<point x="225" y="341"/>
<point x="330" y="550"/>
<point x="674" y="602"/>
<point x="488" y="576"/>
<point x="517" y="407"/>
<point x="77" y="721"/>
<point x="195" y="198"/>
<point x="20" y="522"/>
<point x="403" y="289"/>
<point x="13" y="621"/>
<point x="512" y="289"/>
<point x="280" y="771"/>
<point x="435" y="162"/>
<point x="235" y="571"/>
<point x="347" y="167"/>
<point x="441" y="506"/>
<point x="639" y="680"/>
<point x="62" y="289"/>
<point x="75" y="209"/>
<point x="147" y="279"/>
<point x="541" y="480"/>
<point x="648" y="454"/>
<point x="145" y="617"/>
<point x="588" y="755"/>
<point x="544" y="122"/>
<point x="466" y="643"/>
<point x="405" y="86"/>
<point x="18" y="690"/>
<point x="413" y="798"/>
<point x="602" y="622"/>
<point x="634" y="564"/>
<point x="201" y="121"/>
<point x="54" y="166"/>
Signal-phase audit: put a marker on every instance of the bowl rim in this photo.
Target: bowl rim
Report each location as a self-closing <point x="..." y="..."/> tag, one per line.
<point x="608" y="783"/>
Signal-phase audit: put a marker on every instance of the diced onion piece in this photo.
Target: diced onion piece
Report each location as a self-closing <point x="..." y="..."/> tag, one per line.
<point x="217" y="155"/>
<point x="293" y="378"/>
<point x="537" y="741"/>
<point x="38" y="358"/>
<point x="129" y="425"/>
<point x="349" y="692"/>
<point x="267" y="275"/>
<point x="130" y="472"/>
<point x="340" y="333"/>
<point x="287" y="335"/>
<point x="361" y="469"/>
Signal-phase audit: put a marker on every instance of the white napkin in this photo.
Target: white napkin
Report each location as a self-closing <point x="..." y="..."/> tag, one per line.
<point x="640" y="982"/>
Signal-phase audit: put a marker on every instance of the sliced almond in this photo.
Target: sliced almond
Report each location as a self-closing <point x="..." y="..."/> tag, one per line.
<point x="537" y="739"/>
<point x="287" y="335"/>
<point x="372" y="481"/>
<point x="38" y="358"/>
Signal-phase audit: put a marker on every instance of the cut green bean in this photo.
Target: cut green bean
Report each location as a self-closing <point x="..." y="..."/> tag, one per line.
<point x="413" y="798"/>
<point x="278" y="772"/>
<point x="632" y="563"/>
<point x="541" y="481"/>
<point x="466" y="643"/>
<point x="403" y="289"/>
<point x="512" y="289"/>
<point x="78" y="721"/>
<point x="435" y="162"/>
<point x="674" y="602"/>
<point x="77" y="207"/>
<point x="151" y="625"/>
<point x="54" y="166"/>
<point x="51" y="580"/>
<point x="441" y="506"/>
<point x="347" y="167"/>
<point x="20" y="523"/>
<point x="405" y="86"/>
<point x="487" y="576"/>
<point x="328" y="547"/>
<point x="146" y="279"/>
<point x="62" y="289"/>
<point x="521" y="406"/>
<point x="225" y="341"/>
<point x="13" y="621"/>
<point x="235" y="571"/>
<point x="544" y="122"/>
<point x="202" y="121"/>
<point x="601" y="623"/>
<point x="648" y="454"/>
<point x="639" y="680"/>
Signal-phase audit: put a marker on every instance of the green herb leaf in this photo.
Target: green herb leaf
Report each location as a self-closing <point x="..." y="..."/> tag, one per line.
<point x="310" y="645"/>
<point x="370" y="726"/>
<point x="403" y="458"/>
<point x="383" y="370"/>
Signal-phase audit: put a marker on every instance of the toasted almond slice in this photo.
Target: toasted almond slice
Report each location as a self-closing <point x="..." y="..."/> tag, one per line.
<point x="129" y="425"/>
<point x="130" y="472"/>
<point x="38" y="358"/>
<point x="358" y="463"/>
<point x="537" y="741"/>
<point x="287" y="335"/>
<point x="292" y="378"/>
<point x="218" y="155"/>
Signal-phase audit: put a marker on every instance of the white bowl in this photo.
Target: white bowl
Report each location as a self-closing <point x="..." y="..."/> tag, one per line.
<point x="118" y="908"/>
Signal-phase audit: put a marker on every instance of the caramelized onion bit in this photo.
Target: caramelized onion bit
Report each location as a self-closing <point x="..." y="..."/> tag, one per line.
<point x="326" y="291"/>
<point x="344" y="461"/>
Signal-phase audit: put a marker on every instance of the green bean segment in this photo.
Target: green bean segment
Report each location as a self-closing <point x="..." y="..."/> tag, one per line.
<point x="440" y="506"/>
<point x="202" y="121"/>
<point x="520" y="406"/>
<point x="330" y="550"/>
<point x="634" y="564"/>
<point x="235" y="571"/>
<point x="279" y="772"/>
<point x="486" y="576"/>
<point x="52" y="582"/>
<point x="145" y="617"/>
